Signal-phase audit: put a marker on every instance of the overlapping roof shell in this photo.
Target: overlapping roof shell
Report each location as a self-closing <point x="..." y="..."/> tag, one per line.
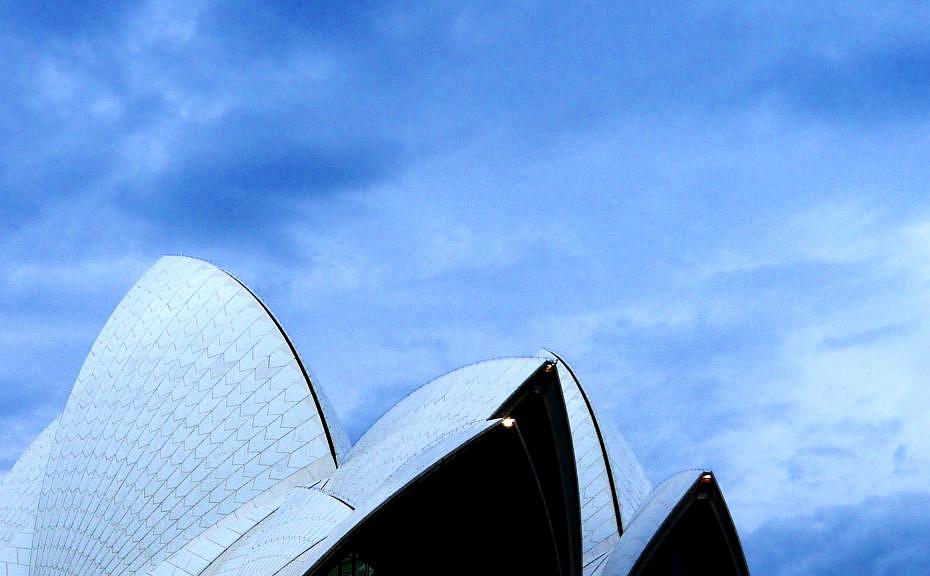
<point x="195" y="443"/>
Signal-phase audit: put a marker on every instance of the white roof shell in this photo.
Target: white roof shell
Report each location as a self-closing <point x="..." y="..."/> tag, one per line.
<point x="646" y="524"/>
<point x="436" y="410"/>
<point x="608" y="481"/>
<point x="191" y="403"/>
<point x="194" y="443"/>
<point x="417" y="465"/>
<point x="19" y="499"/>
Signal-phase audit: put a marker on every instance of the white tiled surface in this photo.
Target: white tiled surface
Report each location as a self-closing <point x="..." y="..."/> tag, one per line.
<point x="433" y="411"/>
<point x="19" y="498"/>
<point x="192" y="444"/>
<point x="599" y="526"/>
<point x="647" y="522"/>
<point x="189" y="405"/>
<point x="204" y="550"/>
<point x="632" y="485"/>
<point x="301" y="523"/>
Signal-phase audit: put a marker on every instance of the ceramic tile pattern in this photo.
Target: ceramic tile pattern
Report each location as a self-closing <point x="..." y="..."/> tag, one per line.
<point x="19" y="499"/>
<point x="194" y="443"/>
<point x="189" y="405"/>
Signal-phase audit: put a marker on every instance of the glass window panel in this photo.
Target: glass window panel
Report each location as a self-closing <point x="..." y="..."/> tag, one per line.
<point x="351" y="565"/>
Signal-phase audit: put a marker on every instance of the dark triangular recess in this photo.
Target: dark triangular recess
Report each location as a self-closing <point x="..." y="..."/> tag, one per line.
<point x="504" y="503"/>
<point x="697" y="539"/>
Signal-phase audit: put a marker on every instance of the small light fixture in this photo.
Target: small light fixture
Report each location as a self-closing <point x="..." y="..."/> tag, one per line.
<point x="508" y="422"/>
<point x="707" y="478"/>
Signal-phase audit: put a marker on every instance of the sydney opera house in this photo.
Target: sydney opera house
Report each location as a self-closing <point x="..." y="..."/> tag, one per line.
<point x="195" y="443"/>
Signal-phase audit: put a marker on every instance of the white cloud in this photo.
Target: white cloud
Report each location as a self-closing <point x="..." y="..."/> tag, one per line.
<point x="852" y="379"/>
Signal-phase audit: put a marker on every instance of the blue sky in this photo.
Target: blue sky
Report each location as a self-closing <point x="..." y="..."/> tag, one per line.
<point x="717" y="212"/>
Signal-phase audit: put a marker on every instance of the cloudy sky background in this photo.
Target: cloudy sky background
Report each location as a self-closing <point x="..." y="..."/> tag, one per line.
<point x="718" y="213"/>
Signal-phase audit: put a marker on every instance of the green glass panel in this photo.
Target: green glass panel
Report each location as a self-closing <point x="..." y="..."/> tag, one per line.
<point x="351" y="565"/>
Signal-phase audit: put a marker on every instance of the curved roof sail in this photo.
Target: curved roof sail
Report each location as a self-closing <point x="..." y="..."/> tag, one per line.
<point x="684" y="522"/>
<point x="194" y="443"/>
<point x="610" y="478"/>
<point x="437" y="409"/>
<point x="191" y="403"/>
<point x="19" y="500"/>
